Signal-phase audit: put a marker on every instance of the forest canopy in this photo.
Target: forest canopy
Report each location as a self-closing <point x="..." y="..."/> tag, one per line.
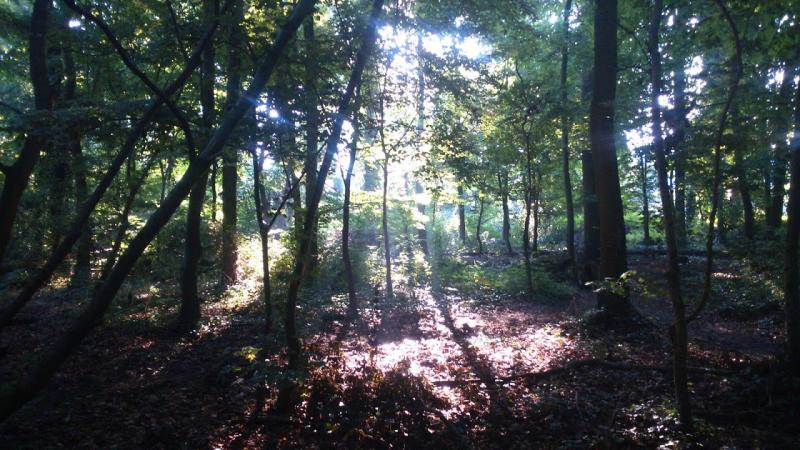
<point x="395" y="223"/>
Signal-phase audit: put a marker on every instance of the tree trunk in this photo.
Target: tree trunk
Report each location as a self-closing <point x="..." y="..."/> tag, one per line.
<point x="781" y="158"/>
<point x="230" y="158"/>
<point x="536" y="192"/>
<point x="81" y="274"/>
<point x="679" y="154"/>
<point x="526" y="232"/>
<point x="213" y="185"/>
<point x="503" y="182"/>
<point x="613" y="261"/>
<point x="387" y="253"/>
<point x="565" y="125"/>
<point x="791" y="277"/>
<point x="304" y="247"/>
<point x="591" y="227"/>
<point x="526" y="244"/>
<point x="679" y="337"/>
<point x="348" y="263"/>
<point x="645" y="200"/>
<point x="312" y="124"/>
<point x="744" y="192"/>
<point x="462" y="222"/>
<point x="478" y="226"/>
<point x="79" y="224"/>
<point x="12" y="400"/>
<point x="262" y="204"/>
<point x="18" y="174"/>
<point x="716" y="203"/>
<point x="193" y="245"/>
<point x="192" y="252"/>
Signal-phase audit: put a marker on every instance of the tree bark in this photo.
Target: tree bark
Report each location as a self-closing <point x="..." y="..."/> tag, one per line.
<point x="591" y="227"/>
<point x="526" y="232"/>
<point x="387" y="249"/>
<point x="645" y="199"/>
<point x="312" y="123"/>
<point x="82" y="268"/>
<point x="565" y="125"/>
<point x="679" y="337"/>
<point x="744" y="191"/>
<point x="346" y="260"/>
<point x="230" y="158"/>
<point x="503" y="184"/>
<point x="536" y="193"/>
<point x="262" y="205"/>
<point x="480" y="220"/>
<point x="462" y="222"/>
<point x="781" y="159"/>
<point x="791" y="277"/>
<point x="679" y="154"/>
<point x="613" y="261"/>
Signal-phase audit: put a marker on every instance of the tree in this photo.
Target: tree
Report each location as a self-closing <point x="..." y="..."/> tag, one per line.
<point x="613" y="259"/>
<point x="304" y="248"/>
<point x="193" y="246"/>
<point x="102" y="296"/>
<point x="565" y="154"/>
<point x="17" y="174"/>
<point x="230" y="158"/>
<point x="791" y="276"/>
<point x="679" y="334"/>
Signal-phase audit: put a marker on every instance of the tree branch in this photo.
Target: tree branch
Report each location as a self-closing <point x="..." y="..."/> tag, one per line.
<point x="126" y="59"/>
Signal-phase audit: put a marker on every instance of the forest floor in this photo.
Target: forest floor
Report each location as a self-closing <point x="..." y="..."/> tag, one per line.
<point x="462" y="367"/>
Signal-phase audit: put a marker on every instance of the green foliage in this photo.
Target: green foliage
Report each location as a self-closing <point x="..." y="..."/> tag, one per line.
<point x="502" y="281"/>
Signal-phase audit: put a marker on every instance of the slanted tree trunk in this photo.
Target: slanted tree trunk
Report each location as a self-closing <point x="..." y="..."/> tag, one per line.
<point x="565" y="125"/>
<point x="304" y="247"/>
<point x="679" y="337"/>
<point x="462" y="223"/>
<point x="12" y="399"/>
<point x="193" y="245"/>
<point x="18" y="174"/>
<point x="791" y="277"/>
<point x="230" y="158"/>
<point x="79" y="224"/>
<point x="613" y="260"/>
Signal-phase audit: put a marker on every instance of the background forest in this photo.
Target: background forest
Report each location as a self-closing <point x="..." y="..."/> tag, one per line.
<point x="380" y="224"/>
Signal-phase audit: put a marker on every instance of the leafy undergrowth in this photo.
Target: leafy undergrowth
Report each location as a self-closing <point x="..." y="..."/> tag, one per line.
<point x="472" y="366"/>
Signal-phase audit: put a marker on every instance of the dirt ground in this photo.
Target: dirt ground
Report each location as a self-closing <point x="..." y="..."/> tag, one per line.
<point x="450" y="369"/>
